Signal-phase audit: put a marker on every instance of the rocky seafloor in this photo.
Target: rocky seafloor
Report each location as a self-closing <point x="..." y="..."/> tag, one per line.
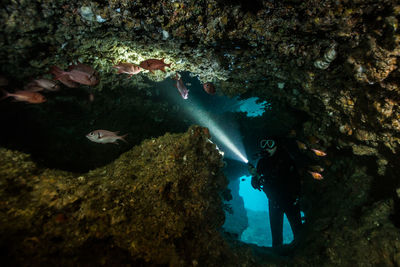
<point x="329" y="68"/>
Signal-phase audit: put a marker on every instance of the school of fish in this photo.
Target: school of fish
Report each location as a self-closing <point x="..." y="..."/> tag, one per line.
<point x="316" y="169"/>
<point x="79" y="73"/>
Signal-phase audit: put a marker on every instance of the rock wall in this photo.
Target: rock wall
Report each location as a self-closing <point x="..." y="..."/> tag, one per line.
<point x="236" y="220"/>
<point x="157" y="204"/>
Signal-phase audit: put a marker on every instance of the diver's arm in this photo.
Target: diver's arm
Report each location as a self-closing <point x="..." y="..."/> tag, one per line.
<point x="255" y="182"/>
<point x="255" y="177"/>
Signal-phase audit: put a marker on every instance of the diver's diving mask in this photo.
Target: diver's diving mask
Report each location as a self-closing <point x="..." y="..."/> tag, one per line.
<point x="267" y="144"/>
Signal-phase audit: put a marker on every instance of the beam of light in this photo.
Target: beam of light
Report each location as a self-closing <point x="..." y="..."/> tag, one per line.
<point x="222" y="137"/>
<point x="191" y="107"/>
<point x="216" y="131"/>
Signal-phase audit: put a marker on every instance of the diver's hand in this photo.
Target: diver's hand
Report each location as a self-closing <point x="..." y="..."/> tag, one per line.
<point x="252" y="170"/>
<point x="255" y="183"/>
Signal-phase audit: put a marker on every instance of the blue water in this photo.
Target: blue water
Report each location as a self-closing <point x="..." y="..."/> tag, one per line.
<point x="256" y="203"/>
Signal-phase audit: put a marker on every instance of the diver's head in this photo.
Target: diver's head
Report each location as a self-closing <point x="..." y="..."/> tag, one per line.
<point x="269" y="145"/>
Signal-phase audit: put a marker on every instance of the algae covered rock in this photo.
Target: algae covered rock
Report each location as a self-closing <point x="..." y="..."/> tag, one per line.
<point x="158" y="203"/>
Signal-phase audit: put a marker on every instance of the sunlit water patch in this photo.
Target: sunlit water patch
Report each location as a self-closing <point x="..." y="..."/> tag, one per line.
<point x="252" y="107"/>
<point x="256" y="203"/>
<point x="258" y="230"/>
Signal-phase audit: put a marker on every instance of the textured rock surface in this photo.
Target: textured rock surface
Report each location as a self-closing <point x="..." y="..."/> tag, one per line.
<point x="335" y="61"/>
<point x="156" y="204"/>
<point x="236" y="220"/>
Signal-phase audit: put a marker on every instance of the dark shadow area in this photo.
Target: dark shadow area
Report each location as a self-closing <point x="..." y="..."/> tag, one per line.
<point x="92" y="253"/>
<point x="246" y="6"/>
<point x="396" y="212"/>
<point x="384" y="186"/>
<point x="54" y="132"/>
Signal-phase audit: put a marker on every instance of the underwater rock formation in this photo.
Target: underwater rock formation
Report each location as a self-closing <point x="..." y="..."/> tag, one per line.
<point x="334" y="61"/>
<point x="158" y="203"/>
<point x="236" y="220"/>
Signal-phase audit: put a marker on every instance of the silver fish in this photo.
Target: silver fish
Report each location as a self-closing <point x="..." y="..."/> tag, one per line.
<point x="42" y="83"/>
<point x="105" y="137"/>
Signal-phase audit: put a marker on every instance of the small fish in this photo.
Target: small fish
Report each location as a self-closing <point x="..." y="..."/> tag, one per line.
<point x="181" y="87"/>
<point x="316" y="175"/>
<point x="83" y="68"/>
<point x="64" y="78"/>
<point x="243" y="179"/>
<point x="25" y="96"/>
<point x="209" y="88"/>
<point x="79" y="73"/>
<point x="105" y="137"/>
<point x="154" y="64"/>
<point x="42" y="83"/>
<point x="301" y="145"/>
<point x="319" y="153"/>
<point x="83" y="74"/>
<point x="91" y="97"/>
<point x="317" y="168"/>
<point x="128" y="68"/>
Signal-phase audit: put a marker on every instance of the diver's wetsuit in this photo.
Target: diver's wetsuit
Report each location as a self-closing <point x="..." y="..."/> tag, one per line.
<point x="281" y="183"/>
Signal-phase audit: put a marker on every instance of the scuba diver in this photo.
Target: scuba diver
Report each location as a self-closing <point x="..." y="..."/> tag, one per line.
<point x="277" y="176"/>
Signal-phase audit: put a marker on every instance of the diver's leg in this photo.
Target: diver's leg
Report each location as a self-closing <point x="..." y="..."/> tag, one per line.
<point x="276" y="222"/>
<point x="292" y="211"/>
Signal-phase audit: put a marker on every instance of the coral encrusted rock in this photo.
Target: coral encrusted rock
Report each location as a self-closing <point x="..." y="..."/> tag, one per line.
<point x="156" y="204"/>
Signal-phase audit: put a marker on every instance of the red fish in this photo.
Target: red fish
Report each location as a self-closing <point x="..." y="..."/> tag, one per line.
<point x="63" y="77"/>
<point x="78" y="73"/>
<point x="209" y="88"/>
<point x="316" y="175"/>
<point x="319" y="153"/>
<point x="154" y="64"/>
<point x="40" y="84"/>
<point x="128" y="68"/>
<point x="25" y="96"/>
<point x="83" y="74"/>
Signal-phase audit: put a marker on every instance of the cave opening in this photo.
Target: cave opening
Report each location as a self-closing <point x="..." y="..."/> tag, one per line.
<point x="256" y="230"/>
<point x="54" y="133"/>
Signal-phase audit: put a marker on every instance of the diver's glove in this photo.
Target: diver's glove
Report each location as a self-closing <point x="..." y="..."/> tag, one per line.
<point x="252" y="170"/>
<point x="255" y="182"/>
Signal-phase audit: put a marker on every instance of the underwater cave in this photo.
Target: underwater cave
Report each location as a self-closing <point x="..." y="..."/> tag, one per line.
<point x="129" y="129"/>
